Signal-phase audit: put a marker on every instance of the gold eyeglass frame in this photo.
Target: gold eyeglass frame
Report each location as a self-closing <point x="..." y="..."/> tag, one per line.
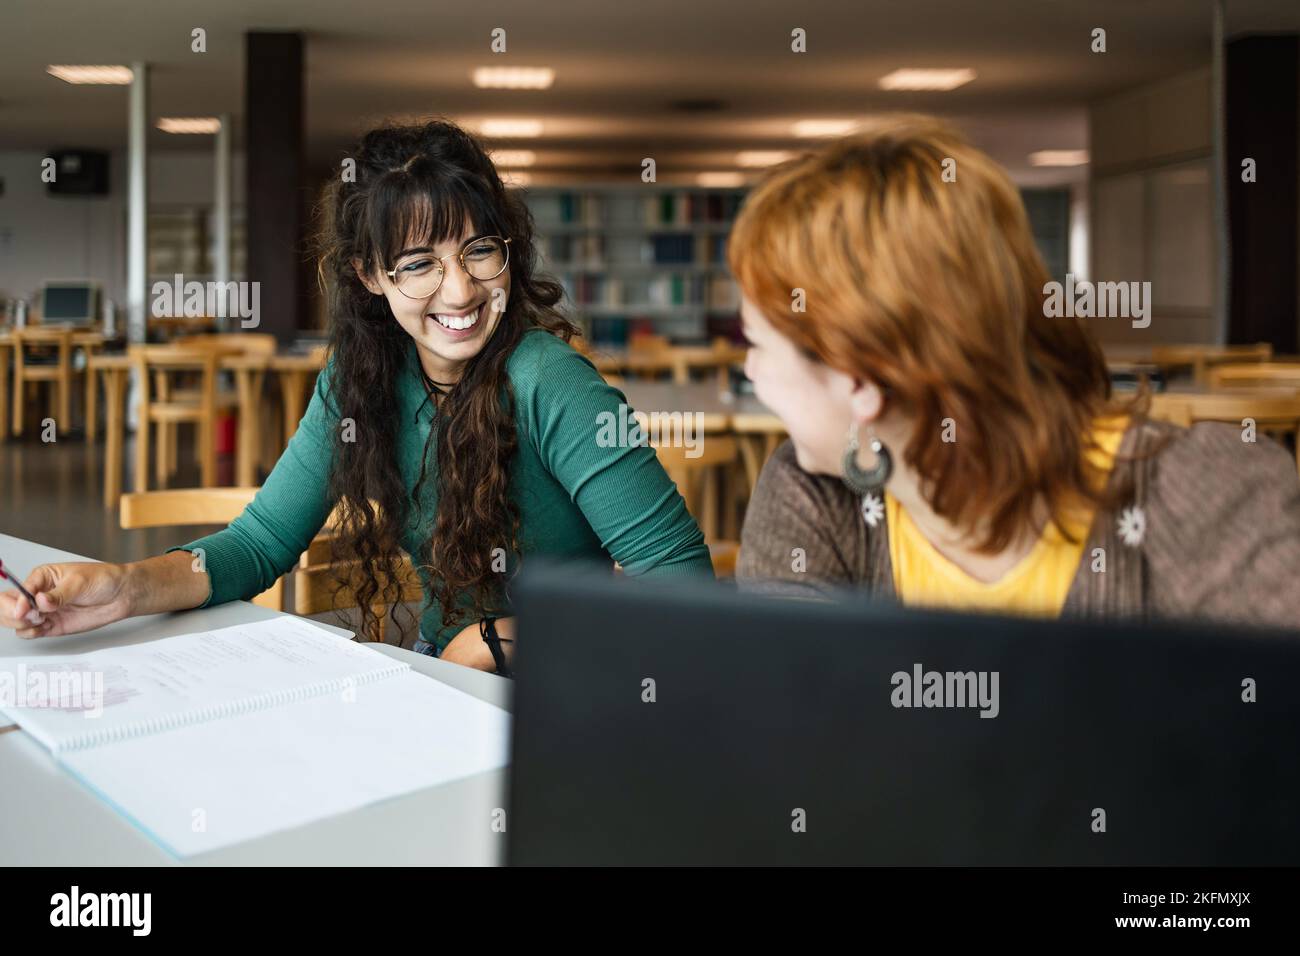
<point x="460" y="256"/>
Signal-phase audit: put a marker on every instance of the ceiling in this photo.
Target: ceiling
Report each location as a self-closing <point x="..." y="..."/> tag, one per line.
<point x="621" y="68"/>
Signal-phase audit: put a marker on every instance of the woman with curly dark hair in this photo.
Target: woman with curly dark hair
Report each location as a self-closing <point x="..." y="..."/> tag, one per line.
<point x="452" y="421"/>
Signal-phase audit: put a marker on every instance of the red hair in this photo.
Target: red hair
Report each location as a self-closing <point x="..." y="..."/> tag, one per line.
<point x="920" y="274"/>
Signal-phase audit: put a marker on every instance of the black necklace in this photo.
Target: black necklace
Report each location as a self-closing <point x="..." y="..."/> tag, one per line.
<point x="440" y="387"/>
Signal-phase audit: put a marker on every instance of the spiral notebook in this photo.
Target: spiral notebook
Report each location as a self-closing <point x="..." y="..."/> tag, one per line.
<point x="212" y="738"/>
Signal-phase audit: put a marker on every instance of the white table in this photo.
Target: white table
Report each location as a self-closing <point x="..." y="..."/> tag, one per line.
<point x="48" y="818"/>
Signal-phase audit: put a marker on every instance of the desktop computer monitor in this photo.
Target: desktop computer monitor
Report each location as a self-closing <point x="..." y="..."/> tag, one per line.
<point x="74" y="302"/>
<point x="676" y="722"/>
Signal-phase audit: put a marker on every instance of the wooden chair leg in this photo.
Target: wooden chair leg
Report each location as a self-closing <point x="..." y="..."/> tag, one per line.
<point x="168" y="432"/>
<point x="731" y="500"/>
<point x="4" y="394"/>
<point x="173" y="443"/>
<point x="162" y="455"/>
<point x="114" y="425"/>
<point x="206" y="437"/>
<point x="140" y="480"/>
<point x="52" y="403"/>
<point x="92" y="405"/>
<point x="709" y="507"/>
<point x="18" y="403"/>
<point x="65" y="393"/>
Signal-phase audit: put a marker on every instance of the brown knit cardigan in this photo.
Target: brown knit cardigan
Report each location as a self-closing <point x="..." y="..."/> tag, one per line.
<point x="1221" y="539"/>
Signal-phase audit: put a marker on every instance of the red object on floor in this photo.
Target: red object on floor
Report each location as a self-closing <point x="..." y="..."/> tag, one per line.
<point x="226" y="434"/>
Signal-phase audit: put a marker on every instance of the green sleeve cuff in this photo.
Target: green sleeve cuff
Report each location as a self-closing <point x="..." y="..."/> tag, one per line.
<point x="232" y="573"/>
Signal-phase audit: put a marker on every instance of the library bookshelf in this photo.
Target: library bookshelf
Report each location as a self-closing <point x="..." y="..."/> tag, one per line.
<point x="640" y="258"/>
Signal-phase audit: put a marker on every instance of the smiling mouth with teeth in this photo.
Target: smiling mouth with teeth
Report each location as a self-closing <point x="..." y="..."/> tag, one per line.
<point x="458" y="323"/>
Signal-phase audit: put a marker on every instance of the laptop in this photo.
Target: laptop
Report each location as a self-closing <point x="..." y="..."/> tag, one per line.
<point x="687" y="723"/>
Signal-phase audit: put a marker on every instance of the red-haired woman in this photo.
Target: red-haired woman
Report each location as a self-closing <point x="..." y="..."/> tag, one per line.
<point x="889" y="308"/>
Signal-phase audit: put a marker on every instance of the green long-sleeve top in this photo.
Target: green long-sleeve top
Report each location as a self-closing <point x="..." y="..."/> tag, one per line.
<point x="577" y="499"/>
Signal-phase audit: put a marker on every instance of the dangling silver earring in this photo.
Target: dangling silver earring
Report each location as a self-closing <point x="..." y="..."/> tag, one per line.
<point x="864" y="481"/>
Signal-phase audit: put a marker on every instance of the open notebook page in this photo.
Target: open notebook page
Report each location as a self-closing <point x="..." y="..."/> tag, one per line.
<point x="79" y="700"/>
<point x="212" y="784"/>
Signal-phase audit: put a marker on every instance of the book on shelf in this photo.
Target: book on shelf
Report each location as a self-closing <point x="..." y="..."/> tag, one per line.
<point x="690" y="208"/>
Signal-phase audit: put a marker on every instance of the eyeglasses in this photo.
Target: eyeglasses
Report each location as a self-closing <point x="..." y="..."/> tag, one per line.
<point x="419" y="276"/>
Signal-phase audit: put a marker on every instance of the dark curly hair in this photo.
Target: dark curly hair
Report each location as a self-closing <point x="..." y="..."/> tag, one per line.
<point x="424" y="181"/>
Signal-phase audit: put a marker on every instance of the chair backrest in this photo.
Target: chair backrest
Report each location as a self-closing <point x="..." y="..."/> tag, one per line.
<point x="710" y="452"/>
<point x="649" y="343"/>
<point x="697" y="477"/>
<point x="320" y="586"/>
<point x="324" y="587"/>
<point x="184" y="506"/>
<point x="59" y="337"/>
<point x="168" y="359"/>
<point x="1201" y="358"/>
<point x="169" y="326"/>
<point x="1279" y="409"/>
<point x="1188" y="354"/>
<point x="194" y="506"/>
<point x="1275" y="412"/>
<point x="255" y="343"/>
<point x="325" y="579"/>
<point x="1256" y="375"/>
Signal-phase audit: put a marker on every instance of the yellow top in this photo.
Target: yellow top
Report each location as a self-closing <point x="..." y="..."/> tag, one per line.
<point x="1037" y="585"/>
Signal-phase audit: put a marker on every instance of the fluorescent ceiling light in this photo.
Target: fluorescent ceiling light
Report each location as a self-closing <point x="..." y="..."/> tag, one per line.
<point x="514" y="77"/>
<point x="754" y="158"/>
<point x="812" y="128"/>
<point x="1059" y="157"/>
<point x="511" y="128"/>
<point x="190" y="124"/>
<point x="914" y="79"/>
<point x="720" y="180"/>
<point x="504" y="158"/>
<point x="98" y="75"/>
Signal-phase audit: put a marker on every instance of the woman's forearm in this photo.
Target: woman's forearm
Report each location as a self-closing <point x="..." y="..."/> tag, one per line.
<point x="176" y="581"/>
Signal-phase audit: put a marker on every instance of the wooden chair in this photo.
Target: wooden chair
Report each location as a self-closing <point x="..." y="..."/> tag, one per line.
<point x="324" y="583"/>
<point x="6" y="343"/>
<point x="257" y="345"/>
<point x="717" y="358"/>
<point x="194" y="506"/>
<point x="167" y="327"/>
<point x="760" y="434"/>
<point x="1200" y="358"/>
<point x="1275" y="413"/>
<point x="699" y="478"/>
<point x="59" y="374"/>
<point x="724" y="555"/>
<point x="154" y="363"/>
<point x="241" y="343"/>
<point x="649" y="355"/>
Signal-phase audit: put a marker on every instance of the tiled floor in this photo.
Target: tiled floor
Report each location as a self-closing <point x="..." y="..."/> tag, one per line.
<point x="53" y="493"/>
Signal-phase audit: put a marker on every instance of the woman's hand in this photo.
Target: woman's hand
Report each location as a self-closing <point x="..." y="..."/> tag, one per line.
<point x="469" y="649"/>
<point x="71" y="597"/>
<point x="84" y="595"/>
